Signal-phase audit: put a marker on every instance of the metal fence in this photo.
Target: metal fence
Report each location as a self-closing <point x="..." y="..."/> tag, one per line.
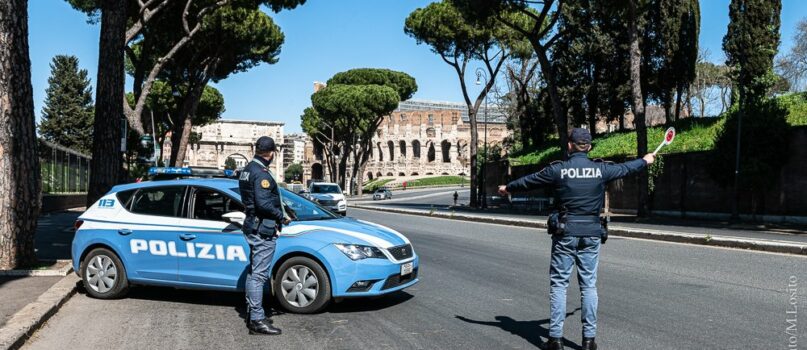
<point x="63" y="170"/>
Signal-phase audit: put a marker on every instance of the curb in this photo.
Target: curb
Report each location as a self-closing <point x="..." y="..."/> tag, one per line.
<point x="621" y="231"/>
<point x="63" y="271"/>
<point x="25" y="322"/>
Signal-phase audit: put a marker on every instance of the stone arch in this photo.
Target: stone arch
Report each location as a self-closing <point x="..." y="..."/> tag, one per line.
<point x="401" y="174"/>
<point x="414" y="173"/>
<point x="316" y="171"/>
<point x="461" y="174"/>
<point x="415" y="149"/>
<point x="370" y="175"/>
<point x="389" y="174"/>
<point x="402" y="146"/>
<point x="378" y="174"/>
<point x="444" y="173"/>
<point x="445" y="148"/>
<point x="430" y="173"/>
<point x="430" y="153"/>
<point x="391" y="146"/>
<point x="380" y="152"/>
<point x="240" y="160"/>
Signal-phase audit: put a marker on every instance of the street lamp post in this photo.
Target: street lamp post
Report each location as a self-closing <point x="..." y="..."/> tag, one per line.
<point x="479" y="74"/>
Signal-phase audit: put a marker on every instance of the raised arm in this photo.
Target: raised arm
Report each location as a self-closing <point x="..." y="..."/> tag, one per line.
<point x="544" y="177"/>
<point x="613" y="171"/>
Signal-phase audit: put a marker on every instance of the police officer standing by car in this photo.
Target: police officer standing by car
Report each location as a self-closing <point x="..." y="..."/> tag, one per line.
<point x="265" y="217"/>
<point x="577" y="229"/>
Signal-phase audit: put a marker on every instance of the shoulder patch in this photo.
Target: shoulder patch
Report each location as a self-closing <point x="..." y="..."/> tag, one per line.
<point x="265" y="183"/>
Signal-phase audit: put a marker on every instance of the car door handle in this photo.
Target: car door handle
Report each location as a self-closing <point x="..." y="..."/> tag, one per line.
<point x="187" y="237"/>
<point x="124" y="231"/>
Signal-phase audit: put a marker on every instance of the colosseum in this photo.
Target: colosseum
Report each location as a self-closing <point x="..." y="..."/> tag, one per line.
<point x="421" y="138"/>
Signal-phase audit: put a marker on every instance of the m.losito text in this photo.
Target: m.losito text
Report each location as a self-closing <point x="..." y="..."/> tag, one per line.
<point x="192" y="250"/>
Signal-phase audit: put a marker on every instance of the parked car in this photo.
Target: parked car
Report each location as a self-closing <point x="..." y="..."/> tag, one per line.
<point x="328" y="195"/>
<point x="382" y="193"/>
<point x="186" y="233"/>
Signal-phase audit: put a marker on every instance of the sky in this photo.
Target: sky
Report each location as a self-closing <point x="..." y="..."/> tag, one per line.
<point x="323" y="37"/>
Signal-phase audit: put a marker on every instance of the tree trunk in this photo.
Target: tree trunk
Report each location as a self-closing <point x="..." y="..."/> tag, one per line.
<point x="20" y="176"/>
<point x="593" y="97"/>
<point x="106" y="167"/>
<point x="473" y="148"/>
<point x="558" y="111"/>
<point x="637" y="104"/>
<point x="678" y="94"/>
<point x="188" y="111"/>
<point x="668" y="113"/>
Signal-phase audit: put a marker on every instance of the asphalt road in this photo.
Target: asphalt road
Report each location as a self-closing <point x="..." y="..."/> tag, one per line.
<point x="482" y="286"/>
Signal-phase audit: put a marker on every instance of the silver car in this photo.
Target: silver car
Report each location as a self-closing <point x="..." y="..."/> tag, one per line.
<point x="382" y="193"/>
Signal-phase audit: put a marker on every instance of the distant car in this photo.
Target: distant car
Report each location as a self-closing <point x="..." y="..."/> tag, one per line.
<point x="382" y="193"/>
<point x="186" y="233"/>
<point x="328" y="195"/>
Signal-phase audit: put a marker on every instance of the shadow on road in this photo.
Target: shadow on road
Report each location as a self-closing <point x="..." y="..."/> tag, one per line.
<point x="236" y="299"/>
<point x="532" y="331"/>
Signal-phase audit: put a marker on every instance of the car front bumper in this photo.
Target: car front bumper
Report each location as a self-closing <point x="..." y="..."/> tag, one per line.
<point x="383" y="275"/>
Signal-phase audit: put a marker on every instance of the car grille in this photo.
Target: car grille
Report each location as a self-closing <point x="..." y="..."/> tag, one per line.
<point x="328" y="203"/>
<point x="397" y="280"/>
<point x="401" y="252"/>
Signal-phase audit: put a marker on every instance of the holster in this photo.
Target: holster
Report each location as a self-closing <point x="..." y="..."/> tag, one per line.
<point x="556" y="223"/>
<point x="604" y="223"/>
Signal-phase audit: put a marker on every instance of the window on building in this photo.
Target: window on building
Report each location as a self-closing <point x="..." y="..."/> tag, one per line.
<point x="431" y="119"/>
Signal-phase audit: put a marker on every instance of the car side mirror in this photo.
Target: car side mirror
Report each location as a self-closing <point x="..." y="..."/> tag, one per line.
<point x="235" y="217"/>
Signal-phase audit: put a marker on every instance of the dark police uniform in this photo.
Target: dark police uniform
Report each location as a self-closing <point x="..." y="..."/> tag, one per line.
<point x="579" y="185"/>
<point x="264" y="216"/>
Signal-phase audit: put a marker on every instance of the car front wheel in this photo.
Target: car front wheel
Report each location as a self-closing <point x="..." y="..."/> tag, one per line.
<point x="303" y="286"/>
<point x="103" y="275"/>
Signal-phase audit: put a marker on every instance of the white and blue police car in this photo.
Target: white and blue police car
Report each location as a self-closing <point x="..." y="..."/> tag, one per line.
<point x="185" y="233"/>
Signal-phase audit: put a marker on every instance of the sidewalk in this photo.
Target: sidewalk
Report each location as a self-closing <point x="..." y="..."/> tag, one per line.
<point x="28" y="301"/>
<point x="790" y="239"/>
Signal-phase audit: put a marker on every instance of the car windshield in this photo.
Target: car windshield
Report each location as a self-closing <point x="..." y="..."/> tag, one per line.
<point x="325" y="189"/>
<point x="299" y="207"/>
<point x="379" y="191"/>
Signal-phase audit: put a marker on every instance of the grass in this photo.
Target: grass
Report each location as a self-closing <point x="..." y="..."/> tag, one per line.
<point x="375" y="184"/>
<point x="693" y="134"/>
<point x="437" y="180"/>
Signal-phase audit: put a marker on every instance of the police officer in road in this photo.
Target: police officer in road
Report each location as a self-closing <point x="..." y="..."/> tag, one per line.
<point x="579" y="184"/>
<point x="265" y="217"/>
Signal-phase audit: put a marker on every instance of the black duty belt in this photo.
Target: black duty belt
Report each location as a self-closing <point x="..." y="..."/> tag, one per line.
<point x="591" y="219"/>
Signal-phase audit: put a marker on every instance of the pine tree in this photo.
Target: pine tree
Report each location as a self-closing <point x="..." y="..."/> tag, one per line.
<point x="751" y="42"/>
<point x="67" y="117"/>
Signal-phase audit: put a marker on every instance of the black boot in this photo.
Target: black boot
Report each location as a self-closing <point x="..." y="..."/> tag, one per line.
<point x="589" y="344"/>
<point x="263" y="326"/>
<point x="552" y="344"/>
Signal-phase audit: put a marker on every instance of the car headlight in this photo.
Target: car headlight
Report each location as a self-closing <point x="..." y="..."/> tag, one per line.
<point x="358" y="252"/>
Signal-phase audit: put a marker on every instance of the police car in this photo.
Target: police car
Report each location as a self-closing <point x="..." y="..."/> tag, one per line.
<point x="185" y="232"/>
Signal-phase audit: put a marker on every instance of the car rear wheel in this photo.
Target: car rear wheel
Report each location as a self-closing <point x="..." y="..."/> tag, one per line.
<point x="303" y="286"/>
<point x="103" y="275"/>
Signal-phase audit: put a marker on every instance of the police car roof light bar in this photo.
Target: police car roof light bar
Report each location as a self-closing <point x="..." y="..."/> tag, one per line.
<point x="167" y="173"/>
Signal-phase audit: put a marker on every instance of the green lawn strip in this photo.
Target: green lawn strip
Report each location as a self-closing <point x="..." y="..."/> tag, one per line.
<point x="437" y="180"/>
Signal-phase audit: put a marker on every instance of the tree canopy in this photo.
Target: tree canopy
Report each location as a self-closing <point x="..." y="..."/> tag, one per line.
<point x="67" y="116"/>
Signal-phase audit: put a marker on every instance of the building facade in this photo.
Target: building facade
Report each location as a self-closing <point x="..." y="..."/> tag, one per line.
<point x="421" y="138"/>
<point x="294" y="149"/>
<point x="234" y="139"/>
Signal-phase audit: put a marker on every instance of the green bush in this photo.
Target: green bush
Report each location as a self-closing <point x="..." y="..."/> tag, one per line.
<point x="763" y="149"/>
<point x="796" y="105"/>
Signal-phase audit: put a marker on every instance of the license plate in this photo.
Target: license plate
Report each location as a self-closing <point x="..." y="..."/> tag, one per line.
<point x="407" y="268"/>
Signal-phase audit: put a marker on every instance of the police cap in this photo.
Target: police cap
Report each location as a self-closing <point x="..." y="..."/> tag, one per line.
<point x="265" y="144"/>
<point x="580" y="136"/>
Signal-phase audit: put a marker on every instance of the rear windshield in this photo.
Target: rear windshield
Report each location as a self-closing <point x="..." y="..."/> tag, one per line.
<point x="325" y="189"/>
